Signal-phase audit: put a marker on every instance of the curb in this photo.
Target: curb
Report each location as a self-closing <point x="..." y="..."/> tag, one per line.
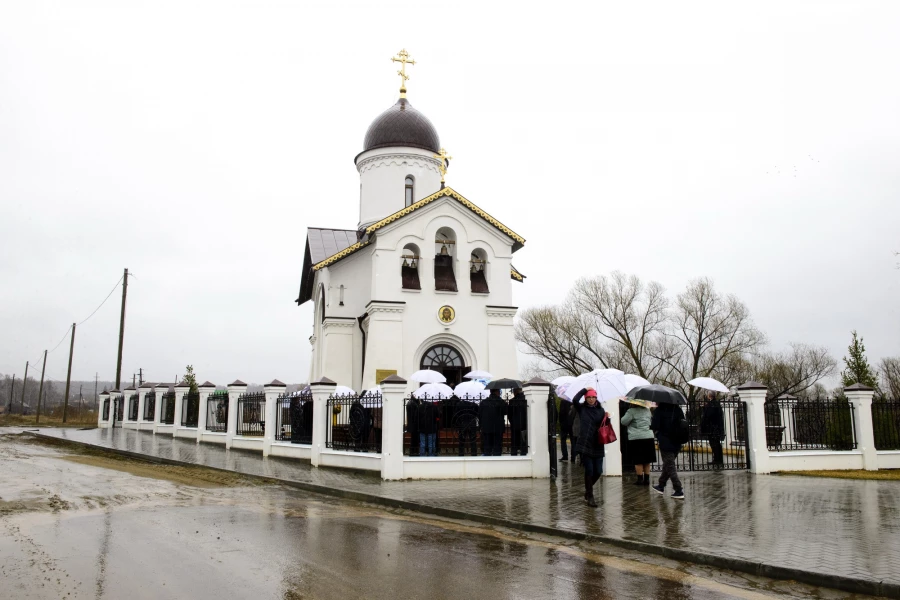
<point x="837" y="582"/>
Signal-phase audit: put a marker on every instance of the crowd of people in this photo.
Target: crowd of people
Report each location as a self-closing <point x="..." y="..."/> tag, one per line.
<point x="643" y="431"/>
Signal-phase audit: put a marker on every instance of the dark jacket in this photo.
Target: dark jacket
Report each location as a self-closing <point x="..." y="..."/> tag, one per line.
<point x="712" y="423"/>
<point x="590" y="417"/>
<point x="428" y="417"/>
<point x="665" y="417"/>
<point x="412" y="418"/>
<point x="490" y="414"/>
<point x="518" y="412"/>
<point x="565" y="408"/>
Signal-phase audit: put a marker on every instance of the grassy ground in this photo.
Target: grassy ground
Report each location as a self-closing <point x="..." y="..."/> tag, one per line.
<point x="46" y="420"/>
<point x="882" y="475"/>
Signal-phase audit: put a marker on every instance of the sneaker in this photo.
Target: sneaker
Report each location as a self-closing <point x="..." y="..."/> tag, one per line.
<point x="678" y="495"/>
<point x="658" y="489"/>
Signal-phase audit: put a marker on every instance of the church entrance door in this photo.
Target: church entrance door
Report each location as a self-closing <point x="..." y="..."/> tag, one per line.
<point x="446" y="360"/>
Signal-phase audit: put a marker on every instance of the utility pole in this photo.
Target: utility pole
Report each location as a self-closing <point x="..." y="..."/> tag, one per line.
<point x="96" y="398"/>
<point x="133" y="379"/>
<point x="41" y="390"/>
<point x="121" y="331"/>
<point x="12" y="391"/>
<point x="69" y="375"/>
<point x="81" y="400"/>
<point x="141" y="376"/>
<point x="24" y="385"/>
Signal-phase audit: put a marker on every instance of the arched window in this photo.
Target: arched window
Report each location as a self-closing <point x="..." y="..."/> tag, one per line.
<point x="410" y="195"/>
<point x="409" y="267"/>
<point x="446" y="360"/>
<point x="445" y="253"/>
<point x="478" y="271"/>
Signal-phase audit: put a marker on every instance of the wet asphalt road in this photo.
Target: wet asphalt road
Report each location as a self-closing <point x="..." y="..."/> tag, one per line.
<point x="89" y="527"/>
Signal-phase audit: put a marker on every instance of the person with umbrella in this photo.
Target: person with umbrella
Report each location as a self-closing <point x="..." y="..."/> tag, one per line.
<point x="518" y="422"/>
<point x="592" y="451"/>
<point x="491" y="413"/>
<point x="712" y="426"/>
<point x="641" y="447"/>
<point x="671" y="430"/>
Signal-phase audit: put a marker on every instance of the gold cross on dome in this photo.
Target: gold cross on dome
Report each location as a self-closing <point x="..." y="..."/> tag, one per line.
<point x="404" y="59"/>
<point x="445" y="162"/>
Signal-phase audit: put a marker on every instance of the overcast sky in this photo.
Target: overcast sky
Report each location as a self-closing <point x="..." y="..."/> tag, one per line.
<point x="194" y="142"/>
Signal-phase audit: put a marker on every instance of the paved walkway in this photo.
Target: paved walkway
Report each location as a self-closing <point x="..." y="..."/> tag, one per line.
<point x="840" y="530"/>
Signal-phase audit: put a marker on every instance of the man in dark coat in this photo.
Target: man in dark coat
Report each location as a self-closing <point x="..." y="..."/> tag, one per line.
<point x="412" y="424"/>
<point x="592" y="451"/>
<point x="428" y="427"/>
<point x="491" y="412"/>
<point x="465" y="421"/>
<point x="712" y="426"/>
<point x="665" y="422"/>
<point x="518" y="422"/>
<point x="565" y="428"/>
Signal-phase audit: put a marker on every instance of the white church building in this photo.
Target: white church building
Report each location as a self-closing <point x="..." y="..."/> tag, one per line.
<point x="424" y="281"/>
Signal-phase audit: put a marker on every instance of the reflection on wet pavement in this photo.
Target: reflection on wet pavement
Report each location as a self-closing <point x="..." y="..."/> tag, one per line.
<point x="150" y="537"/>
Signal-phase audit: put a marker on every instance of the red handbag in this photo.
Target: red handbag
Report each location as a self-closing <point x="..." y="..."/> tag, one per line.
<point x="606" y="434"/>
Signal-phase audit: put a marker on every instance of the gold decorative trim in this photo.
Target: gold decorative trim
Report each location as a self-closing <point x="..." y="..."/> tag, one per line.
<point x="336" y="257"/>
<point x="440" y="194"/>
<point x="516" y="275"/>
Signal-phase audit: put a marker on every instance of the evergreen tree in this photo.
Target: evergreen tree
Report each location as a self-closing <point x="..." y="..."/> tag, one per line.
<point x="190" y="378"/>
<point x="857" y="368"/>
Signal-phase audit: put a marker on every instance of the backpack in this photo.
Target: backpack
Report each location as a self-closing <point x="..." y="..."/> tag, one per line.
<point x="680" y="432"/>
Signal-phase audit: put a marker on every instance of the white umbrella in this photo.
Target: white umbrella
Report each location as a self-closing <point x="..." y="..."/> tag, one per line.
<point x="632" y="381"/>
<point x="434" y="391"/>
<point x="563" y="379"/>
<point x="561" y="391"/>
<point x="609" y="384"/>
<point x="427" y="376"/>
<point x="471" y="389"/>
<point x="478" y="375"/>
<point x="708" y="383"/>
<point x="342" y="390"/>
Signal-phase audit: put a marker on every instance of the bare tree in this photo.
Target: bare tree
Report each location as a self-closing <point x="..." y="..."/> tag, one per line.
<point x="620" y="319"/>
<point x="709" y="335"/>
<point x="889" y="369"/>
<point x="547" y="333"/>
<point x="794" y="372"/>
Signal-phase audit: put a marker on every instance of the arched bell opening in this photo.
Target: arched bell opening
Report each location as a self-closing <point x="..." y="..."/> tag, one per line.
<point x="409" y="267"/>
<point x="444" y="258"/>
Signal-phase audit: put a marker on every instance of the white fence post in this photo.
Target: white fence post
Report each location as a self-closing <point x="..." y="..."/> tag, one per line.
<point x="142" y="399"/>
<point x="159" y="390"/>
<point x="537" y="391"/>
<point x="860" y="397"/>
<point x="206" y="389"/>
<point x="235" y="389"/>
<point x="393" y="390"/>
<point x="754" y="394"/>
<point x="612" y="453"/>
<point x="321" y="389"/>
<point x="273" y="390"/>
<point x="101" y="422"/>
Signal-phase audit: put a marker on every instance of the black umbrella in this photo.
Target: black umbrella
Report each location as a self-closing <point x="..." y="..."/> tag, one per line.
<point x="503" y="384"/>
<point x="656" y="393"/>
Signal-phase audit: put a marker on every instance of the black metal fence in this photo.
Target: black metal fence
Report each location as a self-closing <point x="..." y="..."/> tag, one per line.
<point x="167" y="409"/>
<point x="190" y="409"/>
<point x="354" y="423"/>
<point x="809" y="424"/>
<point x="149" y="406"/>
<point x="294" y="418"/>
<point x="106" y="410"/>
<point x="718" y="437"/>
<point x="251" y="414"/>
<point x="133" y="404"/>
<point x="120" y="407"/>
<point x="217" y="412"/>
<point x="465" y="426"/>
<point x="886" y="424"/>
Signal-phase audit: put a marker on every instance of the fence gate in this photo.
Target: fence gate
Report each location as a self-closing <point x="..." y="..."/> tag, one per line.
<point x="718" y="438"/>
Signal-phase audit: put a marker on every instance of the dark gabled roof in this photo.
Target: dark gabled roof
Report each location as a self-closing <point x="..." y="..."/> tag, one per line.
<point x="320" y="244"/>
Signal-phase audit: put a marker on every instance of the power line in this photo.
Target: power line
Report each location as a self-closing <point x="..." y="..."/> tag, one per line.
<point x="104" y="300"/>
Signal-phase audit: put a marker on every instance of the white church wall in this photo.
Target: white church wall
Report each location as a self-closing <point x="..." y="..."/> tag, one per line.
<point x="382" y="177"/>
